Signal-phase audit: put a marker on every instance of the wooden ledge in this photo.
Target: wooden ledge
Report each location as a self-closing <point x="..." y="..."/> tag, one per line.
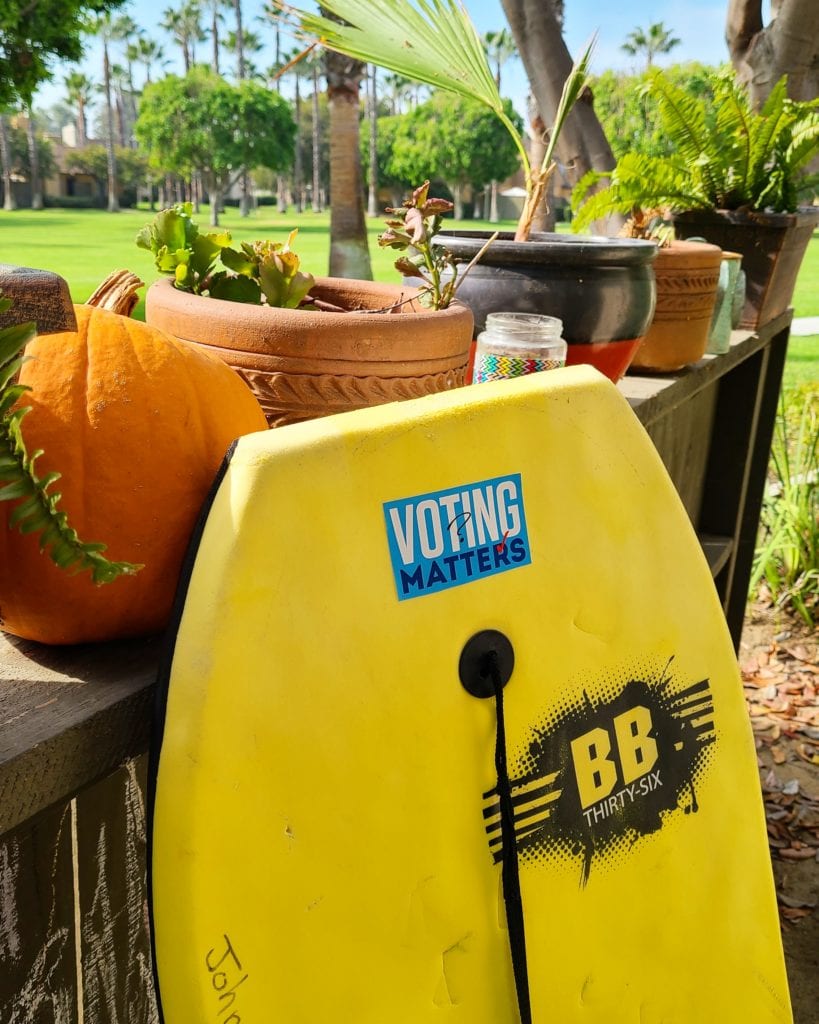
<point x="654" y="395"/>
<point x="69" y="716"/>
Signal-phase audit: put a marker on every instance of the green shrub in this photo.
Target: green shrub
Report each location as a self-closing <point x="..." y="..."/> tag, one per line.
<point x="786" y="560"/>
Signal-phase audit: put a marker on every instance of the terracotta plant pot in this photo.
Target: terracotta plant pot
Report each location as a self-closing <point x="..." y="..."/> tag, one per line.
<point x="772" y="246"/>
<point x="302" y="364"/>
<point x="687" y="276"/>
<point x="602" y="289"/>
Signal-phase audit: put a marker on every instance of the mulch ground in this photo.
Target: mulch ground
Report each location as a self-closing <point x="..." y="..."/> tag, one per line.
<point x="779" y="659"/>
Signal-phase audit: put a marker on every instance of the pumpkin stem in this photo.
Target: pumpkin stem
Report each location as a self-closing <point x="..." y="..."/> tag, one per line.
<point x="117" y="293"/>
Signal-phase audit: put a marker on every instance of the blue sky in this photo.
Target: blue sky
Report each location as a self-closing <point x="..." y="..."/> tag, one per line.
<point x="699" y="24"/>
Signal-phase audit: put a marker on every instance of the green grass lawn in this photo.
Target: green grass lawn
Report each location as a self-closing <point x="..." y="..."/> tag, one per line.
<point x="806" y="294"/>
<point x="84" y="246"/>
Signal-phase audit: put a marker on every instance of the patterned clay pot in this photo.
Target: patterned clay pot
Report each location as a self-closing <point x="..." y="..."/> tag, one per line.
<point x="302" y="363"/>
<point x="687" y="275"/>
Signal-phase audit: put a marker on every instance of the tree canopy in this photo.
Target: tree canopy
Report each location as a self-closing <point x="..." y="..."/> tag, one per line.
<point x="200" y="122"/>
<point x="449" y="138"/>
<point x="630" y="120"/>
<point x="34" y="34"/>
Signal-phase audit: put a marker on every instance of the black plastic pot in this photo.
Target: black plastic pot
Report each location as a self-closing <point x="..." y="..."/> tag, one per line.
<point x="601" y="288"/>
<point x="772" y="246"/>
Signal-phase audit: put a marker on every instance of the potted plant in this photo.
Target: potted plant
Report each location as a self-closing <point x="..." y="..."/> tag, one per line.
<point x="735" y="178"/>
<point x="601" y="289"/>
<point x="687" y="276"/>
<point x="306" y="346"/>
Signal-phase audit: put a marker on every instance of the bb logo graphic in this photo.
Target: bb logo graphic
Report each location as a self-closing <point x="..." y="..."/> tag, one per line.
<point x="600" y="774"/>
<point x="446" y="538"/>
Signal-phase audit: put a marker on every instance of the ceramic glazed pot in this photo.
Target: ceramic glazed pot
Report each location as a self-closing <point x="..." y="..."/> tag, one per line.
<point x="722" y="321"/>
<point x="302" y="364"/>
<point x="772" y="246"/>
<point x="687" y="276"/>
<point x="602" y="289"/>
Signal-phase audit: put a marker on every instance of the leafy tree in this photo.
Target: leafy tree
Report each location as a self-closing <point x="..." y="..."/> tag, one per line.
<point x="392" y="132"/>
<point x="202" y="123"/>
<point x="651" y="41"/>
<point x="628" y="117"/>
<point x="34" y="35"/>
<point x="456" y="140"/>
<point x="20" y="156"/>
<point x="93" y="161"/>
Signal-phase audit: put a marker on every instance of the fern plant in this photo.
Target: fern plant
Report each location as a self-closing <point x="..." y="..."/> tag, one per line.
<point x="726" y="155"/>
<point x="37" y="511"/>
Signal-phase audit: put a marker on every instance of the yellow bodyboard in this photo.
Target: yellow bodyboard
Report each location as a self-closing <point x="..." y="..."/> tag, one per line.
<point x="326" y="837"/>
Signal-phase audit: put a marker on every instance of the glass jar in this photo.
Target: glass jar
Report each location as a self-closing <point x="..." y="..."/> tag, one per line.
<point x="514" y="344"/>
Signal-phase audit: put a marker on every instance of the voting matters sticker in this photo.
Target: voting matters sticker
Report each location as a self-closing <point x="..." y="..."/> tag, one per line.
<point x="446" y="538"/>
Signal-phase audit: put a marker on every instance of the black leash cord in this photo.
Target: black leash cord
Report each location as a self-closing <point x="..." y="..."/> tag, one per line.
<point x="509" y="871"/>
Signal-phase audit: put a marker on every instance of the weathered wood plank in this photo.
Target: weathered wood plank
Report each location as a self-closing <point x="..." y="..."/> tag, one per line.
<point x="653" y="397"/>
<point x="683" y="443"/>
<point x="68" y="715"/>
<point x="38" y="962"/>
<point x="111" y="848"/>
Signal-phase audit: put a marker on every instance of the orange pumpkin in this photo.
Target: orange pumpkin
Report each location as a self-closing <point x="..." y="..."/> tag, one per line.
<point x="137" y="425"/>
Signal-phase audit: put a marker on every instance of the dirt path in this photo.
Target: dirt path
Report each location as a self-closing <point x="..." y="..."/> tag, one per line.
<point x="780" y="671"/>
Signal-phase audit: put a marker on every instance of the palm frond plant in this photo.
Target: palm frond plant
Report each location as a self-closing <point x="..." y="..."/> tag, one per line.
<point x="726" y="155"/>
<point x="435" y="42"/>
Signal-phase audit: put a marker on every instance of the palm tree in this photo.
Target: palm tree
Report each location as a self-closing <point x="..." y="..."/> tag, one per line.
<point x="315" y="67"/>
<point x="349" y="253"/>
<point x="372" y="119"/>
<point x="251" y="45"/>
<point x="119" y="80"/>
<point x="5" y="159"/>
<point x="656" y="39"/>
<point x="499" y="46"/>
<point x="214" y="9"/>
<point x="34" y="161"/>
<point x="150" y="53"/>
<point x="239" y="40"/>
<point x="102" y="25"/>
<point x="185" y="25"/>
<point x="79" y="89"/>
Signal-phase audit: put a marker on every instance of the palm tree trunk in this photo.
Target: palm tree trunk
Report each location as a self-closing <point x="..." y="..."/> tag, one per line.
<point x="119" y="109"/>
<point x="317" y="204"/>
<point x="372" y="191"/>
<point x="298" y="168"/>
<point x="240" y="43"/>
<point x="214" y="32"/>
<point x="113" y="200"/>
<point x="349" y="253"/>
<point x="34" y="164"/>
<point x="5" y="158"/>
